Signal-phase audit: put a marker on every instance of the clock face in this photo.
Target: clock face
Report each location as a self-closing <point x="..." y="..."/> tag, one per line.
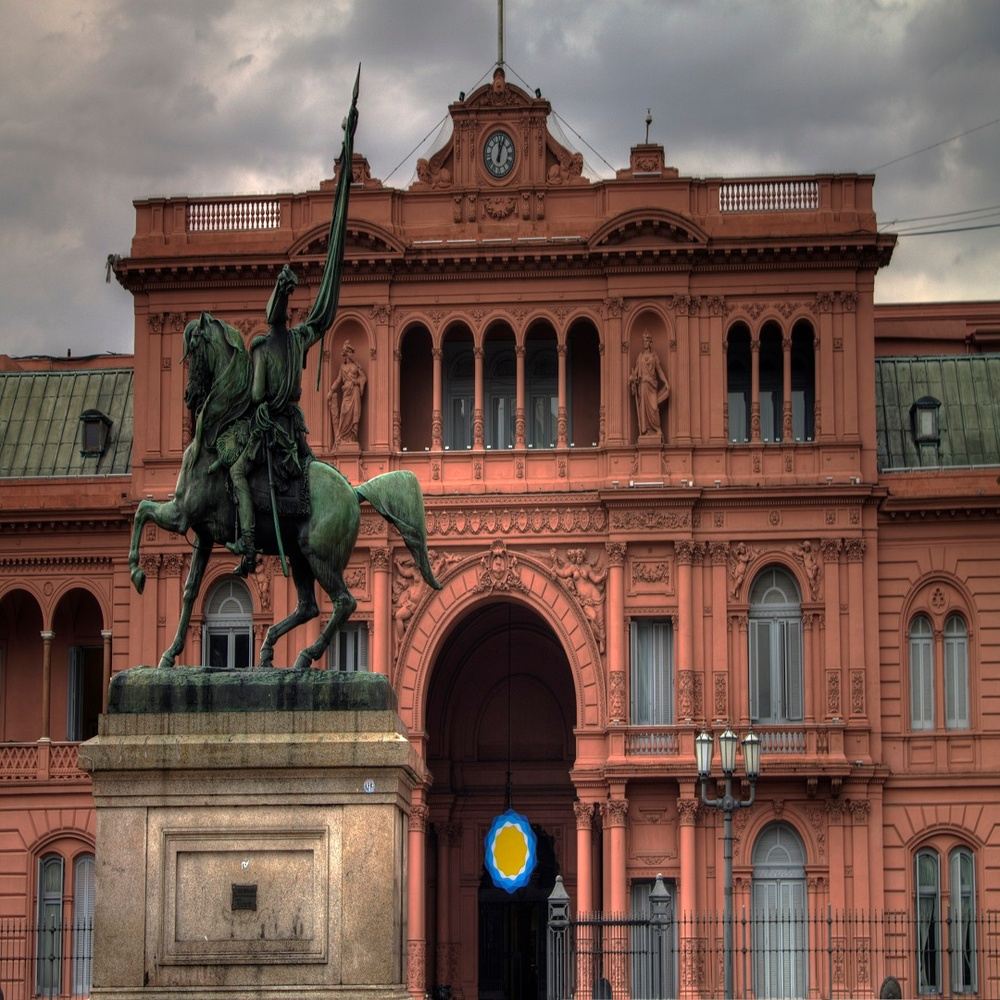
<point x="498" y="154"/>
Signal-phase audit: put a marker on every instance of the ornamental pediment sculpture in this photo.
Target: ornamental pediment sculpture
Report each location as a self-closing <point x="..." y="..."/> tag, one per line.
<point x="585" y="580"/>
<point x="499" y="570"/>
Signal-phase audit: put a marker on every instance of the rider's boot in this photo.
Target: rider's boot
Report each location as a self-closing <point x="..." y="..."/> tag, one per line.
<point x="245" y="545"/>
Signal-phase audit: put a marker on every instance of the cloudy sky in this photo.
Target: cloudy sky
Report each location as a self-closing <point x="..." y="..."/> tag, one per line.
<point x="103" y="101"/>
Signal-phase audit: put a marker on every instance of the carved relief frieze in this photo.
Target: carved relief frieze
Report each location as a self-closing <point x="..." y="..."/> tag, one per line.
<point x="523" y="520"/>
<point x="646" y="519"/>
<point x="857" y="692"/>
<point x="650" y="575"/>
<point x="616" y="696"/>
<point x="805" y="555"/>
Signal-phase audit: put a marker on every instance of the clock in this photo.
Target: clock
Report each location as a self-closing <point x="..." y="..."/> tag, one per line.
<point x="498" y="154"/>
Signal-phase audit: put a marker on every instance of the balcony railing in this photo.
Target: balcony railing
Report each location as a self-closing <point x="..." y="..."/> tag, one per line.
<point x="769" y="196"/>
<point x="807" y="740"/>
<point x="52" y="961"/>
<point x="233" y="215"/>
<point x="42" y="761"/>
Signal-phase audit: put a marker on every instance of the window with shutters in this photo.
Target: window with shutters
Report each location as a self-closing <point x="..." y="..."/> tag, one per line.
<point x="921" y="673"/>
<point x="928" y="883"/>
<point x="780" y="919"/>
<point x="775" y="648"/>
<point x="956" y="673"/>
<point x="83" y="924"/>
<point x="349" y="649"/>
<point x="48" y="961"/>
<point x="962" y="923"/>
<point x="652" y="673"/>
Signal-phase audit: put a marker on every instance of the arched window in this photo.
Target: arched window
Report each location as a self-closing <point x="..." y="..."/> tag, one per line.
<point x="928" y="884"/>
<point x="228" y="626"/>
<point x="541" y="370"/>
<point x="48" y="964"/>
<point x="775" y="648"/>
<point x="83" y="924"/>
<point x="921" y="673"/>
<point x="780" y="938"/>
<point x="803" y="382"/>
<point x="962" y="928"/>
<point x="771" y="382"/>
<point x="956" y="673"/>
<point x="416" y="367"/>
<point x="738" y="383"/>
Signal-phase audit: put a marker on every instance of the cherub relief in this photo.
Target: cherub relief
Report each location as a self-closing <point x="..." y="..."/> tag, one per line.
<point x="740" y="557"/>
<point x="408" y="588"/>
<point x="586" y="582"/>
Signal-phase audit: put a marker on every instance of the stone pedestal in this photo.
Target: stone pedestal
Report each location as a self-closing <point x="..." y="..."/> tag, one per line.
<point x="251" y="831"/>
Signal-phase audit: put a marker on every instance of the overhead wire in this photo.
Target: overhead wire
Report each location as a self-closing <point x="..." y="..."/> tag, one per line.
<point x="933" y="145"/>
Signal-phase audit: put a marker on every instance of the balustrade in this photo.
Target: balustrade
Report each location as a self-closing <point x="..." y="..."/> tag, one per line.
<point x="233" y="214"/>
<point x="769" y="196"/>
<point x="40" y="762"/>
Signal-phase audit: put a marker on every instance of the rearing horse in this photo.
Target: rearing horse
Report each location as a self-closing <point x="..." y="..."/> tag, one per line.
<point x="318" y="545"/>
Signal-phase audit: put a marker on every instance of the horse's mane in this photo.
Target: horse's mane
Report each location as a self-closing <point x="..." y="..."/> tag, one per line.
<point x="220" y="375"/>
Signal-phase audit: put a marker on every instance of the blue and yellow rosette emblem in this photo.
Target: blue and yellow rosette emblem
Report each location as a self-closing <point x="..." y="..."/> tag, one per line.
<point x="511" y="851"/>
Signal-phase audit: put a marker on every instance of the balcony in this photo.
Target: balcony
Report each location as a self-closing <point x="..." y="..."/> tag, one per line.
<point x="42" y="761"/>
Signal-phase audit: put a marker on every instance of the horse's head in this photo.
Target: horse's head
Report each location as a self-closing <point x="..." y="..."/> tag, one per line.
<point x="209" y="344"/>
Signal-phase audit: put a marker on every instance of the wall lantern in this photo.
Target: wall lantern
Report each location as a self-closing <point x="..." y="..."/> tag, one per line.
<point x="96" y="431"/>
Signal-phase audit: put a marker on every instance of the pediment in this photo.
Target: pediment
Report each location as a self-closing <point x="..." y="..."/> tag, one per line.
<point x="361" y="239"/>
<point x="647" y="227"/>
<point x="500" y="94"/>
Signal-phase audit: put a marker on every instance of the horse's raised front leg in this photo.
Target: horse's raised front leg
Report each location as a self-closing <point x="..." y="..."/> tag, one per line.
<point x="166" y="515"/>
<point x="343" y="607"/>
<point x="199" y="560"/>
<point x="305" y="610"/>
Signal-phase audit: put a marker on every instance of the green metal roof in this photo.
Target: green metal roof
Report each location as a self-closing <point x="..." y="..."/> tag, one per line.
<point x="40" y="429"/>
<point x="968" y="388"/>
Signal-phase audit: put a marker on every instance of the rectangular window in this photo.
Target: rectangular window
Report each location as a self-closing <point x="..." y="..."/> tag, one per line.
<point x="500" y="421"/>
<point x="776" y="669"/>
<point x="543" y="410"/>
<point x="85" y="692"/>
<point x="458" y="423"/>
<point x="349" y="649"/>
<point x="652" y="673"/>
<point x="83" y="924"/>
<point x="737" y="409"/>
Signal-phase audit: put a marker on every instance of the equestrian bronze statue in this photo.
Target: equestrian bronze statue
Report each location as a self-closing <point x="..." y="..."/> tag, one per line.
<point x="248" y="479"/>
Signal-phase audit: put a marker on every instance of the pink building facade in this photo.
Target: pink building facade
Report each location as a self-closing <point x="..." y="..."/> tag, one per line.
<point x="799" y="537"/>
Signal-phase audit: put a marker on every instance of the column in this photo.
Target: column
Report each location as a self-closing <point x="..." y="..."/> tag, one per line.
<point x="687" y="814"/>
<point x="378" y="416"/>
<point x="397" y="428"/>
<point x="684" y="378"/>
<point x="442" y="969"/>
<point x="855" y="549"/>
<point x="106" y="672"/>
<point x="616" y="955"/>
<point x="617" y="400"/>
<point x="812" y="671"/>
<point x="47" y="637"/>
<point x="381" y="658"/>
<point x="834" y="683"/>
<point x="478" y="429"/>
<point x="786" y="390"/>
<point x="684" y="554"/>
<point x="584" y="812"/>
<point x="437" y="427"/>
<point x="860" y="808"/>
<point x="755" y="388"/>
<point x="616" y="631"/>
<point x="561" y="418"/>
<point x="739" y="625"/>
<point x="519" y="421"/>
<point x="721" y="710"/>
<point x="826" y="414"/>
<point x="416" y="945"/>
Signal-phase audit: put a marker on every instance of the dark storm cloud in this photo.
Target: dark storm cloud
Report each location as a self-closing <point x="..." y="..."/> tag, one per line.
<point x="104" y="101"/>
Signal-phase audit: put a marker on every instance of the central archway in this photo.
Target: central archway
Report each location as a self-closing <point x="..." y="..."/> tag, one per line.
<point x="501" y="696"/>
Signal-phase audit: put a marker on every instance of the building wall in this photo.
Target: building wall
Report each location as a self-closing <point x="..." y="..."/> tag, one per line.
<point x="674" y="526"/>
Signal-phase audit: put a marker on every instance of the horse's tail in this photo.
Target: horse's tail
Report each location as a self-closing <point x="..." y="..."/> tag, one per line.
<point x="398" y="498"/>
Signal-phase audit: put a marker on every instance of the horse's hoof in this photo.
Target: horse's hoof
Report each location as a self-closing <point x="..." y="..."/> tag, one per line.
<point x="166" y="662"/>
<point x="302" y="663"/>
<point x="138" y="580"/>
<point x="266" y="661"/>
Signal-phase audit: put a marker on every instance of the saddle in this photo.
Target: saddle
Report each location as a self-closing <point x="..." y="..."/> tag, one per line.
<point x="291" y="496"/>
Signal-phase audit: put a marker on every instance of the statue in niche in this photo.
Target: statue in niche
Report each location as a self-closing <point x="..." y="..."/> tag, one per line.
<point x="650" y="388"/>
<point x="345" y="413"/>
<point x="585" y="581"/>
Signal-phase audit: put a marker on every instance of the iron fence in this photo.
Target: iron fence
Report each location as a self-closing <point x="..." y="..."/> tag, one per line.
<point x="45" y="961"/>
<point x="835" y="955"/>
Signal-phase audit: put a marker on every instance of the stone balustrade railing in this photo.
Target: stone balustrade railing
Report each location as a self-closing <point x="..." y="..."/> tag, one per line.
<point x="803" y="740"/>
<point x="42" y="761"/>
<point x="769" y="196"/>
<point x="233" y="215"/>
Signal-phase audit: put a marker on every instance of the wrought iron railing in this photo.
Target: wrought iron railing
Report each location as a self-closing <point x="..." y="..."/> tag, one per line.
<point x="45" y="961"/>
<point x="834" y="955"/>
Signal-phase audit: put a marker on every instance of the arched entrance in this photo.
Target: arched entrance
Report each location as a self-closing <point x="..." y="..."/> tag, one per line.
<point x="501" y="691"/>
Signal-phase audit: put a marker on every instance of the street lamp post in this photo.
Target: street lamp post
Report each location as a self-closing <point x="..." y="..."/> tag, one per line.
<point x="728" y="804"/>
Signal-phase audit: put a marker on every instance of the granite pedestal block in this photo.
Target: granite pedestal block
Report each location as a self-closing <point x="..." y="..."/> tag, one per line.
<point x="251" y="832"/>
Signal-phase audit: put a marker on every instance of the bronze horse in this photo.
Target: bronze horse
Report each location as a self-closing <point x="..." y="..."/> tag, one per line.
<point x="318" y="545"/>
